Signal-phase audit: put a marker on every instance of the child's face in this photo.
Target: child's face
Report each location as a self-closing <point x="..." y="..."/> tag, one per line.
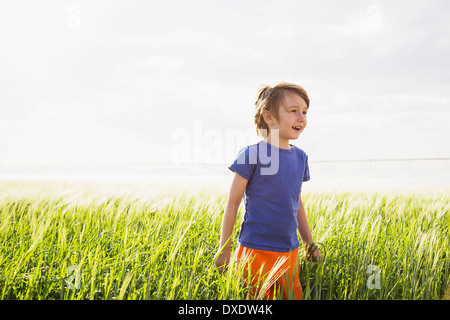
<point x="292" y="117"/>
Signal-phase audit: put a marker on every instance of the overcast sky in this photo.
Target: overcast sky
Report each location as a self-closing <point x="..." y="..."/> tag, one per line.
<point x="88" y="82"/>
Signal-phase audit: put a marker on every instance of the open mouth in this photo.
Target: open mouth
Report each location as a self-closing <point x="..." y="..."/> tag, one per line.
<point x="297" y="128"/>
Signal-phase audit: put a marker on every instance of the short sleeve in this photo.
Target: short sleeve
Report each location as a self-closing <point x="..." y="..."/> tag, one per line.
<point x="245" y="163"/>
<point x="306" y="176"/>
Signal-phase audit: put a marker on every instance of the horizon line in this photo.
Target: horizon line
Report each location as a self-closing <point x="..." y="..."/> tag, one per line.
<point x="220" y="164"/>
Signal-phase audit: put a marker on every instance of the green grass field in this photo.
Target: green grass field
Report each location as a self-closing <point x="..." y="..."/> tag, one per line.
<point x="111" y="241"/>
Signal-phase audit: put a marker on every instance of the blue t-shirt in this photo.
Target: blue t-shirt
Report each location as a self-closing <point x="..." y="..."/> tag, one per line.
<point x="271" y="198"/>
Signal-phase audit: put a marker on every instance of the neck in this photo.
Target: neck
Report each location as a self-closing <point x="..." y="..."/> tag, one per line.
<point x="274" y="140"/>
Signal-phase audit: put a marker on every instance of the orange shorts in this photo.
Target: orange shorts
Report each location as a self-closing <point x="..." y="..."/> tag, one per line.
<point x="269" y="273"/>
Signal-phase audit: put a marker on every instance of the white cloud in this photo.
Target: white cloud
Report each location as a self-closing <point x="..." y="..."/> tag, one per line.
<point x="153" y="63"/>
<point x="118" y="85"/>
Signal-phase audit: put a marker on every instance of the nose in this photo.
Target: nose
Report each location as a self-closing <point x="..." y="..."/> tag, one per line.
<point x="301" y="117"/>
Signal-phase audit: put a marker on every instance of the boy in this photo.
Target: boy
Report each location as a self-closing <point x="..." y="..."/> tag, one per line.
<point x="268" y="176"/>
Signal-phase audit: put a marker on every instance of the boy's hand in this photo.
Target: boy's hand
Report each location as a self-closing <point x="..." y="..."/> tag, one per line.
<point x="312" y="252"/>
<point x="222" y="260"/>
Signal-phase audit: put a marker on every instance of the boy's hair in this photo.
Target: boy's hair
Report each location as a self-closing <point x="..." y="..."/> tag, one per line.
<point x="270" y="98"/>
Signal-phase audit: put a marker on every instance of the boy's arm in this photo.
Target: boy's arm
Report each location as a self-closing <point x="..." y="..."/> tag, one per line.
<point x="304" y="230"/>
<point x="303" y="226"/>
<point x="229" y="218"/>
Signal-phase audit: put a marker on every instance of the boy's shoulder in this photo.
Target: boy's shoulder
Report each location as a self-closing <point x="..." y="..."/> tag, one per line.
<point x="251" y="152"/>
<point x="254" y="148"/>
<point x="250" y="148"/>
<point x="299" y="150"/>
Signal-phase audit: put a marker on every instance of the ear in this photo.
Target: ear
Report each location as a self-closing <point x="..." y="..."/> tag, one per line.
<point x="268" y="118"/>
